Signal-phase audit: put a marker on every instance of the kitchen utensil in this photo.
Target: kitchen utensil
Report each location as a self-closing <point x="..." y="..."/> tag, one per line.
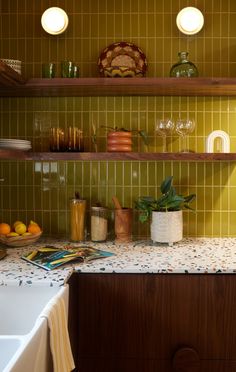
<point x="116" y="202"/>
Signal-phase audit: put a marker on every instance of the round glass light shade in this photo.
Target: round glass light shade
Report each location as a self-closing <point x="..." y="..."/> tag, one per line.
<point x="54" y="20"/>
<point x="190" y="20"/>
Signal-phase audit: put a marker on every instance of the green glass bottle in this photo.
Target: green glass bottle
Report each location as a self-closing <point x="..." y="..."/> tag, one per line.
<point x="183" y="68"/>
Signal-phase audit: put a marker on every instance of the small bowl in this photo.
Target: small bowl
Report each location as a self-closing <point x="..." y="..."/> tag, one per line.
<point x="121" y="71"/>
<point x="19" y="241"/>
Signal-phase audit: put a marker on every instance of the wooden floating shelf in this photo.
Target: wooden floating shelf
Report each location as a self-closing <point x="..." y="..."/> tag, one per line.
<point x="82" y="87"/>
<point x="115" y="156"/>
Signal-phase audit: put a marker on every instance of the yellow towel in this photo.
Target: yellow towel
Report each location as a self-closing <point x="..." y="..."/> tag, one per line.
<point x="62" y="357"/>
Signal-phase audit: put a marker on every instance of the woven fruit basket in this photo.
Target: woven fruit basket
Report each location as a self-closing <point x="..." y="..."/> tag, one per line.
<point x="19" y="241"/>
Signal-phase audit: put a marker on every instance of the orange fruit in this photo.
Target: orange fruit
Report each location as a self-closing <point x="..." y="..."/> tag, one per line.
<point x="34" y="228"/>
<point x="4" y="228"/>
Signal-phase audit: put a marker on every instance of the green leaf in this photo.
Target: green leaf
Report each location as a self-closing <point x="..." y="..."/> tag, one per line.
<point x="186" y="206"/>
<point x="190" y="198"/>
<point x="122" y="129"/>
<point x="166" y="184"/>
<point x="144" y="136"/>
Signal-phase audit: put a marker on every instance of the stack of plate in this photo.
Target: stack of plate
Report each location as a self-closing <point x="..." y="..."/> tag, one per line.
<point x="13" y="63"/>
<point x="15" y="144"/>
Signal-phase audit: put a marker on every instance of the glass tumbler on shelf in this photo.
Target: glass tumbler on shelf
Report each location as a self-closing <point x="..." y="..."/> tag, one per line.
<point x="164" y="127"/>
<point x="74" y="139"/>
<point x="57" y="139"/>
<point x="48" y="70"/>
<point x="183" y="128"/>
<point x="183" y="68"/>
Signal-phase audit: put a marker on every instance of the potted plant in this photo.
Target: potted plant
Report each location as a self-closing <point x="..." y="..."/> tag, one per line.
<point x="166" y="212"/>
<point x="120" y="139"/>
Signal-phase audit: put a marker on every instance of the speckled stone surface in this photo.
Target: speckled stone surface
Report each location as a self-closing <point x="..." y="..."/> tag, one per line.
<point x="202" y="255"/>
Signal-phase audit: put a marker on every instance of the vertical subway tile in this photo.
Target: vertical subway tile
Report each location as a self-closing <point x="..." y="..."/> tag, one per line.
<point x="39" y="186"/>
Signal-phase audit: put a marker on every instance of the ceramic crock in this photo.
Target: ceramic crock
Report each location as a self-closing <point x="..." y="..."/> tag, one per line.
<point x="167" y="227"/>
<point x="119" y="141"/>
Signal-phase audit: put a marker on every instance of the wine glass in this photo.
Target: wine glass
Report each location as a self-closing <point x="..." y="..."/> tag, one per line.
<point x="184" y="127"/>
<point x="164" y="128"/>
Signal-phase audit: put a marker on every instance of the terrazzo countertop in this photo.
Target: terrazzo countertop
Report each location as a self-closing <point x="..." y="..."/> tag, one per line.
<point x="193" y="256"/>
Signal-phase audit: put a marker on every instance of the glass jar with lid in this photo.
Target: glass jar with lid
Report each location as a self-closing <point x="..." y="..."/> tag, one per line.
<point x="99" y="222"/>
<point x="77" y="219"/>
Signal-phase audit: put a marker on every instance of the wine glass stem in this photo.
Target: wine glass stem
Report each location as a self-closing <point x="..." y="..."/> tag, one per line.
<point x="184" y="138"/>
<point x="164" y="148"/>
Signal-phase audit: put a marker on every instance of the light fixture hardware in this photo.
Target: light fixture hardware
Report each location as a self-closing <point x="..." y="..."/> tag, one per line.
<point x="54" y="20"/>
<point x="190" y="20"/>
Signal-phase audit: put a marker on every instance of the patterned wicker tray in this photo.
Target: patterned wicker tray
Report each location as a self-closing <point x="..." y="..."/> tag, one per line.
<point x="122" y="54"/>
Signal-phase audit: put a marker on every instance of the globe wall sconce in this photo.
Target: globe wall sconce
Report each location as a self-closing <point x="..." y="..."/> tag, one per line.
<point x="190" y="20"/>
<point x="54" y="21"/>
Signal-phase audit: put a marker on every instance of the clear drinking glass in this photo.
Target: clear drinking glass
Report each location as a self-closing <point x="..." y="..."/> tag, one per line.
<point x="164" y="127"/>
<point x="183" y="128"/>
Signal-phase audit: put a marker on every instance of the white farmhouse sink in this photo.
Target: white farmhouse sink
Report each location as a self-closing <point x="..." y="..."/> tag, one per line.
<point x="20" y="307"/>
<point x="24" y="334"/>
<point x="8" y="348"/>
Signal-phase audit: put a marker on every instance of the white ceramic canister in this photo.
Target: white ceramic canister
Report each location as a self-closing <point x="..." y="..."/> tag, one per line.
<point x="167" y="227"/>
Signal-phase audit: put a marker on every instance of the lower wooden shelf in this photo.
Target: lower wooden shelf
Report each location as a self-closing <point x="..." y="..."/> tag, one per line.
<point x="116" y="156"/>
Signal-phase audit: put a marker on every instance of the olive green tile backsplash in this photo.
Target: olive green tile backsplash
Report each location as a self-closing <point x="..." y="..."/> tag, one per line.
<point x="41" y="190"/>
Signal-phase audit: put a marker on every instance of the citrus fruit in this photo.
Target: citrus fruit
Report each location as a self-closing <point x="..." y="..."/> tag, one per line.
<point x="33" y="223"/>
<point x="34" y="228"/>
<point x="16" y="223"/>
<point x="4" y="228"/>
<point x="20" y="228"/>
<point x="12" y="234"/>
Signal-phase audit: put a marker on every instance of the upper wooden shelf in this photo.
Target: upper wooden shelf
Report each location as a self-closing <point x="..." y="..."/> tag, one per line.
<point x="73" y="87"/>
<point x="116" y="156"/>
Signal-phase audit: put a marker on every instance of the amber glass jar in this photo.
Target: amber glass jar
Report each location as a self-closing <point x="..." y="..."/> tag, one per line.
<point x="77" y="219"/>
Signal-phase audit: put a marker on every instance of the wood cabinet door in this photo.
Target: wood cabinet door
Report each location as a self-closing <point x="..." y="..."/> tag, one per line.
<point x="150" y="317"/>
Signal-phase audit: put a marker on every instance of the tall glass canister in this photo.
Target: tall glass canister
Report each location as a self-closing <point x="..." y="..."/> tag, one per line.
<point x="77" y="219"/>
<point x="99" y="219"/>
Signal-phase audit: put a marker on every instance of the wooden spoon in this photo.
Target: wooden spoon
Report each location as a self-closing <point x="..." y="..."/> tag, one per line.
<point x="116" y="203"/>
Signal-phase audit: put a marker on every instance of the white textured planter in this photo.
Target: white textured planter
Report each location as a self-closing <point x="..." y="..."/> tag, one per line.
<point x="167" y="227"/>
